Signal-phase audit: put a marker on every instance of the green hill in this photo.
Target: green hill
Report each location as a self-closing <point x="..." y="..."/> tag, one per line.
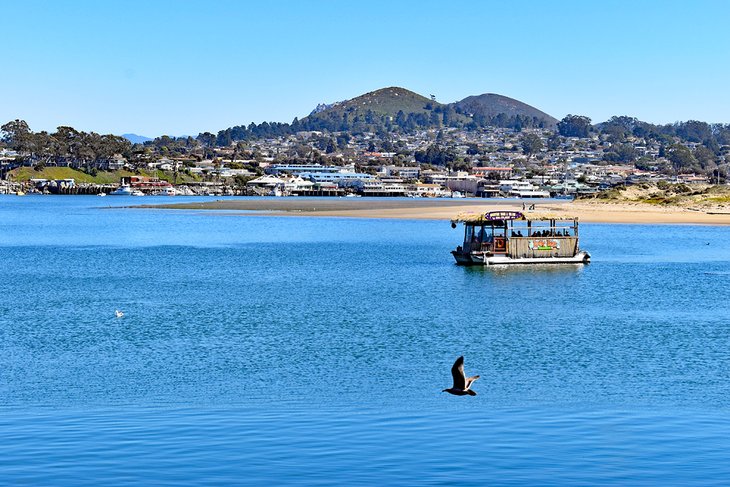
<point x="380" y="109"/>
<point x="386" y="101"/>
<point x="490" y="105"/>
<point x="393" y="107"/>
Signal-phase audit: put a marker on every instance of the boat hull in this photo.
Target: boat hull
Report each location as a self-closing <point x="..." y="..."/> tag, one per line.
<point x="486" y="259"/>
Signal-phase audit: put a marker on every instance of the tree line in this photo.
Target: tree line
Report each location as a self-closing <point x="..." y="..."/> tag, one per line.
<point x="689" y="146"/>
<point x="66" y="146"/>
<point x="356" y="122"/>
<point x="620" y="128"/>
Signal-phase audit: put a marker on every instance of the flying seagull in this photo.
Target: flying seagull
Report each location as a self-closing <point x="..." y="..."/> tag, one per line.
<point x="118" y="313"/>
<point x="462" y="384"/>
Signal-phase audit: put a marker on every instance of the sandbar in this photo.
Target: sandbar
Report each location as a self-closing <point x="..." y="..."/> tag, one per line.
<point x="446" y="209"/>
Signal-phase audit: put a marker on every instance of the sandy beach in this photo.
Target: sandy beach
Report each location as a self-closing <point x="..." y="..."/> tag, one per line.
<point x="446" y="209"/>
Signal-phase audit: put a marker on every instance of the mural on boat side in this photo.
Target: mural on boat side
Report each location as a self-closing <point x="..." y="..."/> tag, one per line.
<point x="543" y="244"/>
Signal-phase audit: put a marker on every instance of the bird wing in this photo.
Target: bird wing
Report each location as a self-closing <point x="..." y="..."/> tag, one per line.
<point x="457" y="372"/>
<point x="470" y="380"/>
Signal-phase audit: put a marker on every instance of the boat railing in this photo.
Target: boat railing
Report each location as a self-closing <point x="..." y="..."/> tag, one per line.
<point x="538" y="244"/>
<point x="499" y="244"/>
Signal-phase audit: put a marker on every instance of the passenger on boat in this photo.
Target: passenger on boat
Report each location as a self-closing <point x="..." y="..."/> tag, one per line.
<point x="483" y="235"/>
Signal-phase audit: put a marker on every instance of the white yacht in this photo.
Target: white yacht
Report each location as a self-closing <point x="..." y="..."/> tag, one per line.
<point x="168" y="191"/>
<point x="123" y="190"/>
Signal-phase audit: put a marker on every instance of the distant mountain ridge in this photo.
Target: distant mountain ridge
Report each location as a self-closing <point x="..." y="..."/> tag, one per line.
<point x="136" y="139"/>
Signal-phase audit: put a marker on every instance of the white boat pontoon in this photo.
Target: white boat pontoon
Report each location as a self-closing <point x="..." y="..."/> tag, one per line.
<point x="511" y="237"/>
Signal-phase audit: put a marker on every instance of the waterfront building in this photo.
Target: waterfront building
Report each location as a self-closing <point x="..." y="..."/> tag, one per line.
<point x="342" y="178"/>
<point x="265" y="181"/>
<point x="299" y="169"/>
<point x="498" y="172"/>
<point x="379" y="188"/>
<point x="429" y="190"/>
<point x="405" y="172"/>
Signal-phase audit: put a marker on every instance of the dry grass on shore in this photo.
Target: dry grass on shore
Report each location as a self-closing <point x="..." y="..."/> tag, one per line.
<point x="703" y="197"/>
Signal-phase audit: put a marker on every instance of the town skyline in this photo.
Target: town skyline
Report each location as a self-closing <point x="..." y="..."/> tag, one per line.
<point x="182" y="69"/>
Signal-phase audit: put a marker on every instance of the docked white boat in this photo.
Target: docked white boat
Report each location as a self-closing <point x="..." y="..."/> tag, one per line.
<point x="511" y="237"/>
<point x="123" y="190"/>
<point x="168" y="191"/>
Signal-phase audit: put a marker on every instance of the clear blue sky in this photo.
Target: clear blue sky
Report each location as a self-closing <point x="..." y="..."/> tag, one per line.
<point x="183" y="67"/>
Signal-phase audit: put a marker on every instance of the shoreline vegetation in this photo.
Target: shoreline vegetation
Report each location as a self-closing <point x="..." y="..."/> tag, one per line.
<point x="649" y="205"/>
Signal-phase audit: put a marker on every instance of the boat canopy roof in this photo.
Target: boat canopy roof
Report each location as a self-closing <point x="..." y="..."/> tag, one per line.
<point x="501" y="216"/>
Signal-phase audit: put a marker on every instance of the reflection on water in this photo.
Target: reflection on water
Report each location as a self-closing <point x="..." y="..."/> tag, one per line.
<point x="535" y="270"/>
<point x="313" y="351"/>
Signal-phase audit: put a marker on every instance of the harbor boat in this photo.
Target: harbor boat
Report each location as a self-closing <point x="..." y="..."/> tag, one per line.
<point x="512" y="237"/>
<point x="123" y="190"/>
<point x="168" y="191"/>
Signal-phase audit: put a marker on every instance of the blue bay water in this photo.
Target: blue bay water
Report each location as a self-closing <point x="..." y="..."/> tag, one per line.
<point x="313" y="351"/>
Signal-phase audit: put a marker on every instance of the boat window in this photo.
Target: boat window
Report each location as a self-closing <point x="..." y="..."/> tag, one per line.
<point x="483" y="235"/>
